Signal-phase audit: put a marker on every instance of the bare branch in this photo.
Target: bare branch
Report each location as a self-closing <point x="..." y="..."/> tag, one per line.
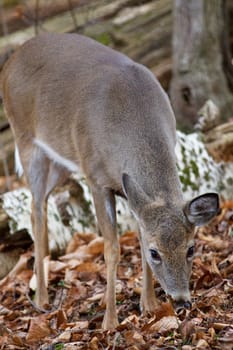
<point x="71" y="9"/>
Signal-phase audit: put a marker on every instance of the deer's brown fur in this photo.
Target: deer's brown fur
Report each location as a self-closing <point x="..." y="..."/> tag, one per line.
<point x="74" y="103"/>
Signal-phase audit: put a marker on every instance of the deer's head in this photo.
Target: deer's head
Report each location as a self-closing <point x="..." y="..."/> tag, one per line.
<point x="167" y="236"/>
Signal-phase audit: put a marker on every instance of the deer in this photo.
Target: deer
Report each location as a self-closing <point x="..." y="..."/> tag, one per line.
<point x="74" y="104"/>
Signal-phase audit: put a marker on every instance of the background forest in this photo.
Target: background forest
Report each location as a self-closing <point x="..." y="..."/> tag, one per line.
<point x="188" y="46"/>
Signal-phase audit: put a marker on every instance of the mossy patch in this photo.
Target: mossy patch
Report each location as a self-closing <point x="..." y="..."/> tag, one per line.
<point x="104" y="38"/>
<point x="9" y="3"/>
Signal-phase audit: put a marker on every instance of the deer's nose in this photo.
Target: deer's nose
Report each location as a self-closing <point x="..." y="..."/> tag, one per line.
<point x="180" y="305"/>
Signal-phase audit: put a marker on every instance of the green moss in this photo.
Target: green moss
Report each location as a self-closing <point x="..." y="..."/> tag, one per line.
<point x="185" y="178"/>
<point x="184" y="159"/>
<point x="194" y="168"/>
<point x="8" y="3"/>
<point x="61" y="283"/>
<point x="183" y="127"/>
<point x="206" y="176"/>
<point x="104" y="38"/>
<point x="230" y="181"/>
<point x="56" y="217"/>
<point x="221" y="187"/>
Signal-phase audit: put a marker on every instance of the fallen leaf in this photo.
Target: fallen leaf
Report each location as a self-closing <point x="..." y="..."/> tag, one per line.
<point x="87" y="267"/>
<point x="202" y="345"/>
<point x="212" y="333"/>
<point x="188" y="327"/>
<point x="18" y="268"/>
<point x="56" y="266"/>
<point x="79" y="325"/>
<point x="4" y="310"/>
<point x="165" y="324"/>
<point x="133" y="337"/>
<point x="219" y="326"/>
<point x="94" y="344"/>
<point x="61" y="318"/>
<point x="78" y="240"/>
<point x="64" y="336"/>
<point x="19" y="338"/>
<point x="165" y="309"/>
<point x="96" y="297"/>
<point x="39" y="328"/>
<point x="81" y="254"/>
<point x="96" y="246"/>
<point x="128" y="239"/>
<point x="131" y="319"/>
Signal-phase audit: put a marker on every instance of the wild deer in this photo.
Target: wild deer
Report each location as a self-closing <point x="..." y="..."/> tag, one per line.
<point x="74" y="103"/>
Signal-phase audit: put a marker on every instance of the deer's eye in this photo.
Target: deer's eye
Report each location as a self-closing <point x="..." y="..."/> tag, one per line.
<point x="190" y="252"/>
<point x="155" y="255"/>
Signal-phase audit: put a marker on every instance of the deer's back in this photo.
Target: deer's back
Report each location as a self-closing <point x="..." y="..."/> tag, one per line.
<point x="89" y="103"/>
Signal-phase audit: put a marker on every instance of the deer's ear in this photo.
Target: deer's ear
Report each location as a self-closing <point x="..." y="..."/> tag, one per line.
<point x="135" y="195"/>
<point x="202" y="209"/>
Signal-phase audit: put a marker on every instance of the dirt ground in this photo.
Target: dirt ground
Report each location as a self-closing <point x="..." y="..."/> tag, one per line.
<point x="77" y="283"/>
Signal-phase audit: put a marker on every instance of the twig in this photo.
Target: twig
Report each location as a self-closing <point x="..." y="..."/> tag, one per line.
<point x="71" y="9"/>
<point x="37" y="308"/>
<point x="60" y="299"/>
<point x="37" y="9"/>
<point x="3" y="20"/>
<point x="115" y="340"/>
<point x="4" y="160"/>
<point x="44" y="311"/>
<point x="5" y="166"/>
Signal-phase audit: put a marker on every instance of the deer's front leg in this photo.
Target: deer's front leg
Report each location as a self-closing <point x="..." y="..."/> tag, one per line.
<point x="106" y="215"/>
<point x="148" y="302"/>
<point x="39" y="223"/>
<point x="43" y="175"/>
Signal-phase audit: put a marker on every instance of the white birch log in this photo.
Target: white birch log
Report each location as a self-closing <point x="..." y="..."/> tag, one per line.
<point x="198" y="172"/>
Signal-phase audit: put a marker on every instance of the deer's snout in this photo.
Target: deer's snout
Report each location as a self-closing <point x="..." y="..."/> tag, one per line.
<point x="180" y="305"/>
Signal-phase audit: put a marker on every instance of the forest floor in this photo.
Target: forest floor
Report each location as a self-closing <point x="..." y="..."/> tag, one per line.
<point x="77" y="283"/>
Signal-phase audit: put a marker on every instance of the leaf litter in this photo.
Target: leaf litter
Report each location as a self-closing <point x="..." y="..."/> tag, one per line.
<point x="77" y="284"/>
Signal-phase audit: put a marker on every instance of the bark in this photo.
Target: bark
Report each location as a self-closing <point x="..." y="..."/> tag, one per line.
<point x="6" y="150"/>
<point x="219" y="142"/>
<point x="226" y="42"/>
<point x="200" y="50"/>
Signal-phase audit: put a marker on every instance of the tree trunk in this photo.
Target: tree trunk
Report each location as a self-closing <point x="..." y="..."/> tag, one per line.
<point x="200" y="59"/>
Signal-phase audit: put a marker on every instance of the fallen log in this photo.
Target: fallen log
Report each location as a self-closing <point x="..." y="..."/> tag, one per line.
<point x="219" y="142"/>
<point x="70" y="209"/>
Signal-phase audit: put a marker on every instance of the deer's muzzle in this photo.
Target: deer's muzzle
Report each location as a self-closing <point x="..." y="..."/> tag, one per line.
<point x="180" y="305"/>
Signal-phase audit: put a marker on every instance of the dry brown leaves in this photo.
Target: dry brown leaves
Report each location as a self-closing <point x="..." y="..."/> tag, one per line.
<point x="77" y="283"/>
